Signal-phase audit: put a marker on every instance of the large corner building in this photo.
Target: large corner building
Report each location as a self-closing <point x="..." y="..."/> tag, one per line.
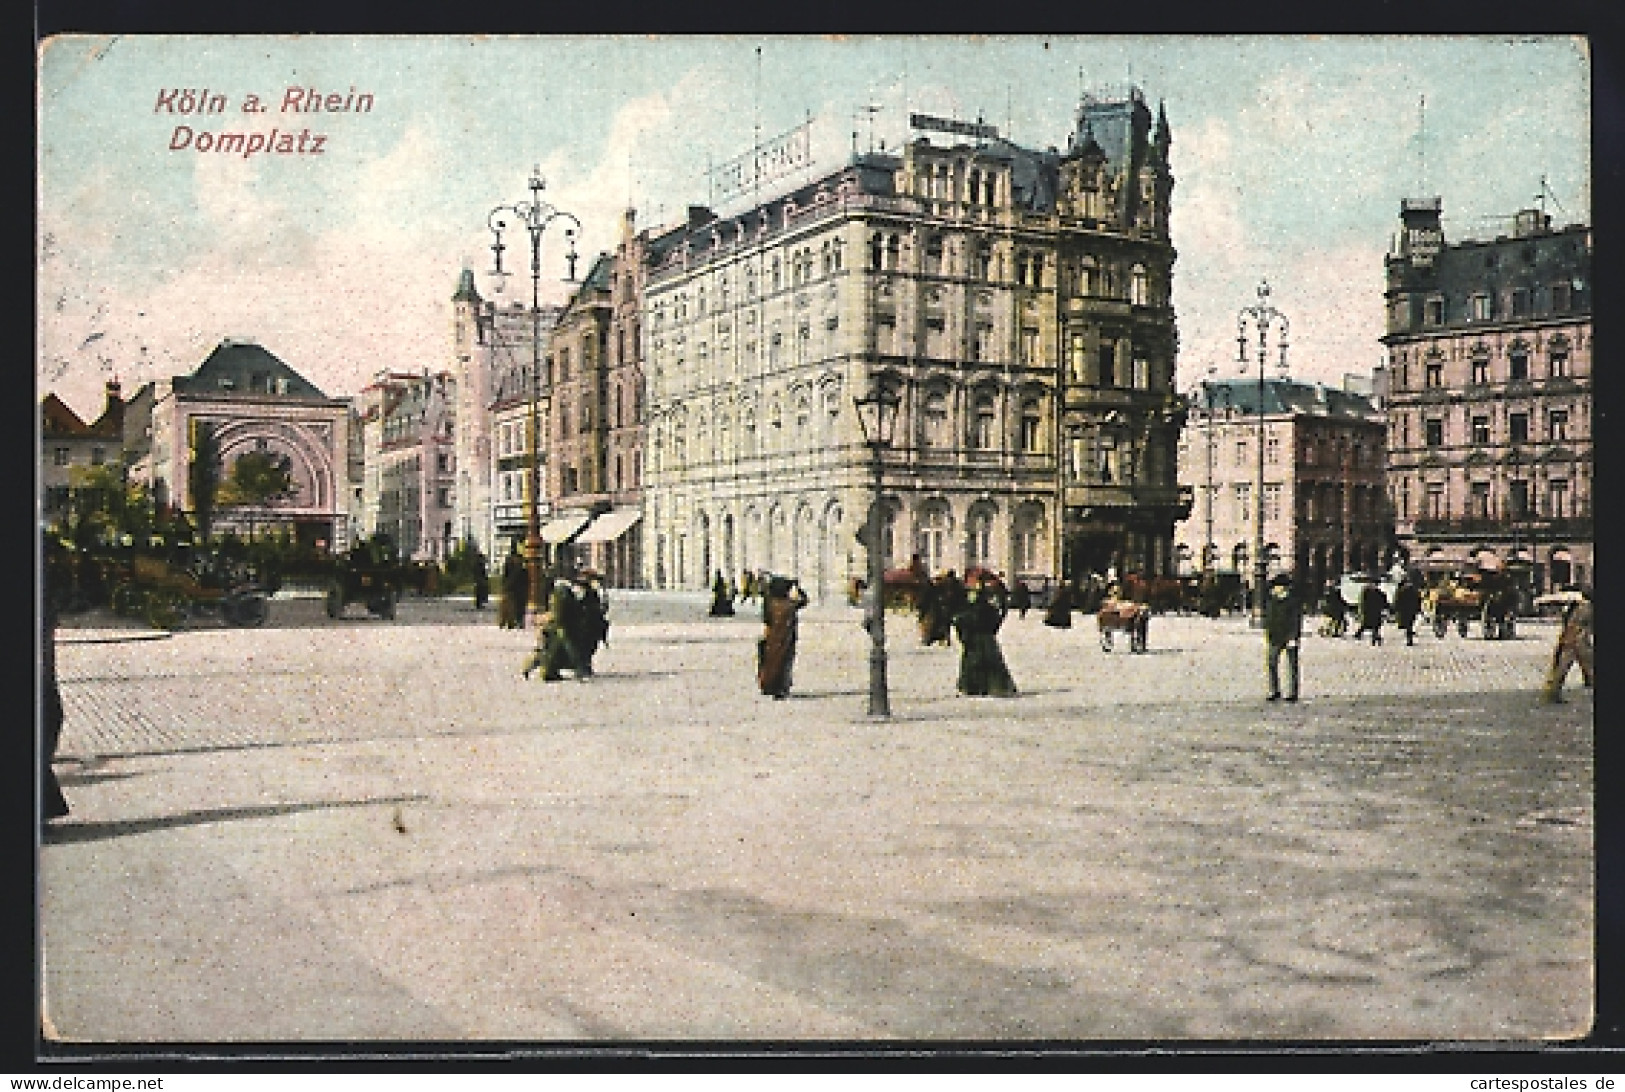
<point x="1017" y="301"/>
<point x="1489" y="404"/>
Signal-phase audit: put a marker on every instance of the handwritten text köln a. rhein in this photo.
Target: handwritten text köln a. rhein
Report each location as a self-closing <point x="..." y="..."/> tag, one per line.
<point x="254" y="141"/>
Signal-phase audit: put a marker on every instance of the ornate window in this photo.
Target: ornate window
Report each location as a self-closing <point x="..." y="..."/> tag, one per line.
<point x="982" y="426"/>
<point x="934" y="421"/>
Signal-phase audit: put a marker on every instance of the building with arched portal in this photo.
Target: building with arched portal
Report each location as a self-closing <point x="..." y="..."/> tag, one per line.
<point x="249" y="401"/>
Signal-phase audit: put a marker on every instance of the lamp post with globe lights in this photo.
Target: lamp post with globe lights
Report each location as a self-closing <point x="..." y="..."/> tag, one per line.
<point x="535" y="216"/>
<point x="1263" y="317"/>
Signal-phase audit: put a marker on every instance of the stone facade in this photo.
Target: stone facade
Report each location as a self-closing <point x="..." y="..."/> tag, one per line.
<point x="253" y="402"/>
<point x="408" y="434"/>
<point x="1489" y="406"/>
<point x="495" y="351"/>
<point x="1017" y="302"/>
<point x="596" y="380"/>
<point x="1324" y="510"/>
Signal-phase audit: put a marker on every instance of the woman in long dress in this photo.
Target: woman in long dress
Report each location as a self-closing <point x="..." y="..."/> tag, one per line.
<point x="982" y="670"/>
<point x="776" y="652"/>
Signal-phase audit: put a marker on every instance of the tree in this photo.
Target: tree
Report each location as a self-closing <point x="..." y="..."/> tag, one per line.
<point x="203" y="474"/>
<point x="258" y="480"/>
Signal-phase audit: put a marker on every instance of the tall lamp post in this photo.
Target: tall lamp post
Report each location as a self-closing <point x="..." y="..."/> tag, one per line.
<point x="1263" y="316"/>
<point x="1207" y="392"/>
<point x="535" y="216"/>
<point x="877" y="417"/>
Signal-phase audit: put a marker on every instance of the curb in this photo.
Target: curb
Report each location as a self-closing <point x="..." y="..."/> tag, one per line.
<point x="109" y="636"/>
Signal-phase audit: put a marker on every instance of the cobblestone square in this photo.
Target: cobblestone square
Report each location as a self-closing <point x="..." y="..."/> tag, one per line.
<point x="368" y="830"/>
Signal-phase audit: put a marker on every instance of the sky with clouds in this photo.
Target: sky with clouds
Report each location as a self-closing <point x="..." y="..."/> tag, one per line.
<point x="1290" y="155"/>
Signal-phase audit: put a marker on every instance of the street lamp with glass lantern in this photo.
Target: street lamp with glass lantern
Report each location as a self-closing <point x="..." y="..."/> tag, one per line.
<point x="877" y="418"/>
<point x="1263" y="317"/>
<point x="535" y="215"/>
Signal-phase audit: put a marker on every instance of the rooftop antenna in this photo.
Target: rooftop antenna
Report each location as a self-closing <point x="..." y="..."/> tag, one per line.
<point x="1544" y="194"/>
<point x="1422" y="146"/>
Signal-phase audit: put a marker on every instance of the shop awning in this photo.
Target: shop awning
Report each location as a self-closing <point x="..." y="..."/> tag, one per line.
<point x="559" y="530"/>
<point x="611" y="525"/>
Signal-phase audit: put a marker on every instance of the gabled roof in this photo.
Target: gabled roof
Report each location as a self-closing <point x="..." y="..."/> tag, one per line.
<point x="242" y="367"/>
<point x="57" y="419"/>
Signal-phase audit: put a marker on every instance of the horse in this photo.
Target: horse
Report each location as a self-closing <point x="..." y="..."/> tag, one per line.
<point x="1120" y="615"/>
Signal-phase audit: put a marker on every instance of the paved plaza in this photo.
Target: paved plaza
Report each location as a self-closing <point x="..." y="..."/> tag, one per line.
<point x="368" y="830"/>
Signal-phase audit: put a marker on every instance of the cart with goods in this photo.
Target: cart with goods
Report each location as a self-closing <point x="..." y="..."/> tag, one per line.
<point x="168" y="596"/>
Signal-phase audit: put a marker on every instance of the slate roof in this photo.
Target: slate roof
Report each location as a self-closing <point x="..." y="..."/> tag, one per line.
<point x="243" y="367"/>
<point x="1286" y="396"/>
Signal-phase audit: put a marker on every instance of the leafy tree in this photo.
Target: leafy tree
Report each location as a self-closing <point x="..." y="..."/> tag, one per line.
<point x="203" y="475"/>
<point x="257" y="480"/>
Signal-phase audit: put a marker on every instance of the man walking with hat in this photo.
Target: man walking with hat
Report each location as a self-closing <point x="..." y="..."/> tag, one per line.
<point x="1283" y="625"/>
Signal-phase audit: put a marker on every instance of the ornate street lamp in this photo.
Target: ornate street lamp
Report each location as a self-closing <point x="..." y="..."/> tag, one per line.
<point x="535" y="215"/>
<point x="1263" y="316"/>
<point x="877" y="417"/>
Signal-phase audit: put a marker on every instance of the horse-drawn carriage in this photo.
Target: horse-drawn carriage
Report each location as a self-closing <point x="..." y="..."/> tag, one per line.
<point x="1124" y="616"/>
<point x="1460" y="601"/>
<point x="370" y="573"/>
<point x="168" y="595"/>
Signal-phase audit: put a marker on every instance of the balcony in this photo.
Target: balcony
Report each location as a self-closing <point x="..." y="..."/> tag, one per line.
<point x="1532" y="528"/>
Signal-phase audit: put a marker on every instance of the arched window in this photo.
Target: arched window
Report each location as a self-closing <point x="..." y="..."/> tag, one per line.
<point x="931" y="542"/>
<point x="1140" y="287"/>
<point x="877" y="252"/>
<point x="983" y="422"/>
<point x="1089" y="273"/>
<point x="934" y="421"/>
<point x="894" y="251"/>
<point x="933" y="255"/>
<point x="1031" y="426"/>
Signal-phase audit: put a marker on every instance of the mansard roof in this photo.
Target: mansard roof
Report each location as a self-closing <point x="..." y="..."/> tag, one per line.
<point x="1282" y="396"/>
<point x="244" y="367"/>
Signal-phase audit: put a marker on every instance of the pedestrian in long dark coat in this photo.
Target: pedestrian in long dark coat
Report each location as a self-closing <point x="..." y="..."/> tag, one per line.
<point x="515" y="590"/>
<point x="53" y="805"/>
<point x="1283" y="628"/>
<point x="1373" y="607"/>
<point x="782" y="600"/>
<point x="722" y="600"/>
<point x="929" y="610"/>
<point x="982" y="670"/>
<point x="592" y="622"/>
<point x="1407" y="606"/>
<point x="1336" y="610"/>
<point x="1021" y="598"/>
<point x="482" y="582"/>
<point x="1059" y="614"/>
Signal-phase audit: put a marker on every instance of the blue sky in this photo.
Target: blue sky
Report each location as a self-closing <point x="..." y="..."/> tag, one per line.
<point x="1290" y="156"/>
